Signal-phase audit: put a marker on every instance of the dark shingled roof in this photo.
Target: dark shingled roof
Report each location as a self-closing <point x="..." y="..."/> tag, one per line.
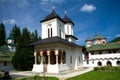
<point x="67" y="20"/>
<point x="54" y="40"/>
<point x="52" y="15"/>
<point x="72" y="36"/>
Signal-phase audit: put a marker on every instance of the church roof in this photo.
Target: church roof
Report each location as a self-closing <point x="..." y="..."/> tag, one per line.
<point x="71" y="36"/>
<point x="88" y="39"/>
<point x="67" y="20"/>
<point x="5" y="54"/>
<point x="10" y="37"/>
<point x="54" y="40"/>
<point x="107" y="46"/>
<point x="99" y="37"/>
<point x="50" y="16"/>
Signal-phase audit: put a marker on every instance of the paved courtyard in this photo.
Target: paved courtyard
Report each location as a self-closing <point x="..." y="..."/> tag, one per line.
<point x="62" y="76"/>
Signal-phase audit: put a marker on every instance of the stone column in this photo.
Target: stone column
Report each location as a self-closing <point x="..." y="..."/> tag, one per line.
<point x="48" y="53"/>
<point x="35" y="55"/>
<point x="56" y="53"/>
<point x="41" y="55"/>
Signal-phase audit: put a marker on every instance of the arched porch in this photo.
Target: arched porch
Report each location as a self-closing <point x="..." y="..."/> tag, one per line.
<point x="49" y="59"/>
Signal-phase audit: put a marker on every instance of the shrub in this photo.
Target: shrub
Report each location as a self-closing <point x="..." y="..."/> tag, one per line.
<point x="107" y="68"/>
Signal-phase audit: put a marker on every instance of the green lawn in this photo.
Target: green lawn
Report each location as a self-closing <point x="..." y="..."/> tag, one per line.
<point x="95" y="75"/>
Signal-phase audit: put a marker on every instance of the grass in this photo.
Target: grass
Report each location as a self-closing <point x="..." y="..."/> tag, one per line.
<point x="96" y="75"/>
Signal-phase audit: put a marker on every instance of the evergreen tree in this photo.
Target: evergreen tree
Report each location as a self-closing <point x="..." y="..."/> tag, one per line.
<point x="23" y="58"/>
<point x="16" y="32"/>
<point x="2" y="34"/>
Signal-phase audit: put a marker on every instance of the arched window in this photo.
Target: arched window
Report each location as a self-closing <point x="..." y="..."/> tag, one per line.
<point x="64" y="57"/>
<point x="38" y="57"/>
<point x="45" y="57"/>
<point x="60" y="31"/>
<point x="99" y="63"/>
<point x="118" y="63"/>
<point x="52" y="57"/>
<point x="50" y="31"/>
<point x="108" y="63"/>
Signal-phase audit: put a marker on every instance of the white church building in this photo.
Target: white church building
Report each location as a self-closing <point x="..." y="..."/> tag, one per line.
<point x="57" y="50"/>
<point x="101" y="53"/>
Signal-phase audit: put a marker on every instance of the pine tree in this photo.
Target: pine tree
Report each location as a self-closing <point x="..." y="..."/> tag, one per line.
<point x="16" y="32"/>
<point x="23" y="58"/>
<point x="2" y="34"/>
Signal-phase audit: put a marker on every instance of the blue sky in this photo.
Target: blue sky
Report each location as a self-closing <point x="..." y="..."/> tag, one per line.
<point x="90" y="16"/>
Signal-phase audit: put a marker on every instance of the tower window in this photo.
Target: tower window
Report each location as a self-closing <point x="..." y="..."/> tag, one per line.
<point x="49" y="32"/>
<point x="71" y="59"/>
<point x="60" y="32"/>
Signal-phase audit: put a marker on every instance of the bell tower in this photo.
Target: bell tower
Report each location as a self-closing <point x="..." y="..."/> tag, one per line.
<point x="52" y="26"/>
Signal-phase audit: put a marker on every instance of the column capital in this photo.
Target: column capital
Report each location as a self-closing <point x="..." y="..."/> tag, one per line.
<point x="48" y="52"/>
<point x="56" y="52"/>
<point x="41" y="53"/>
<point x="35" y="53"/>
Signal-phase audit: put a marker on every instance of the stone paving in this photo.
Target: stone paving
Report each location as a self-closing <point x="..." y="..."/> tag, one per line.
<point x="62" y="76"/>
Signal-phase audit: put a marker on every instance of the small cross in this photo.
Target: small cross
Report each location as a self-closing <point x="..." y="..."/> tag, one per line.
<point x="65" y="12"/>
<point x="53" y="7"/>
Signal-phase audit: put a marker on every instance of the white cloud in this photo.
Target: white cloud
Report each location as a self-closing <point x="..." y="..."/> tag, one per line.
<point x="117" y="35"/>
<point x="9" y="21"/>
<point x="87" y="8"/>
<point x="43" y="2"/>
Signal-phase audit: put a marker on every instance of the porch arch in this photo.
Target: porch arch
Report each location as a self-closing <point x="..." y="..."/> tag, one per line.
<point x="99" y="63"/>
<point x="108" y="63"/>
<point x="118" y="63"/>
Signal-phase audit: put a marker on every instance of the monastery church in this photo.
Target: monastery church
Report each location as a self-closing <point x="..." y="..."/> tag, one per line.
<point x="57" y="51"/>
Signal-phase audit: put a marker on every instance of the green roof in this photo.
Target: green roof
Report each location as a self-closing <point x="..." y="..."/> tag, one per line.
<point x="10" y="37"/>
<point x="116" y="39"/>
<point x="5" y="55"/>
<point x="88" y="39"/>
<point x="99" y="37"/>
<point x="108" y="46"/>
<point x="4" y="48"/>
<point x="12" y="44"/>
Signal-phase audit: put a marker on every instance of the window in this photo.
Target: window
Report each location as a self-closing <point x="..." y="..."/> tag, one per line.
<point x="100" y="52"/>
<point x="5" y="63"/>
<point x="79" y="58"/>
<point x="114" y="51"/>
<point x="49" y="32"/>
<point x="87" y="61"/>
<point x="71" y="59"/>
<point x="99" y="63"/>
<point x="109" y="52"/>
<point x="118" y="63"/>
<point x="92" y="53"/>
<point x="60" y="32"/>
<point x="68" y="29"/>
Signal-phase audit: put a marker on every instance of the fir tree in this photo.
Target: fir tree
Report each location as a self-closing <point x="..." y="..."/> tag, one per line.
<point x="2" y="34"/>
